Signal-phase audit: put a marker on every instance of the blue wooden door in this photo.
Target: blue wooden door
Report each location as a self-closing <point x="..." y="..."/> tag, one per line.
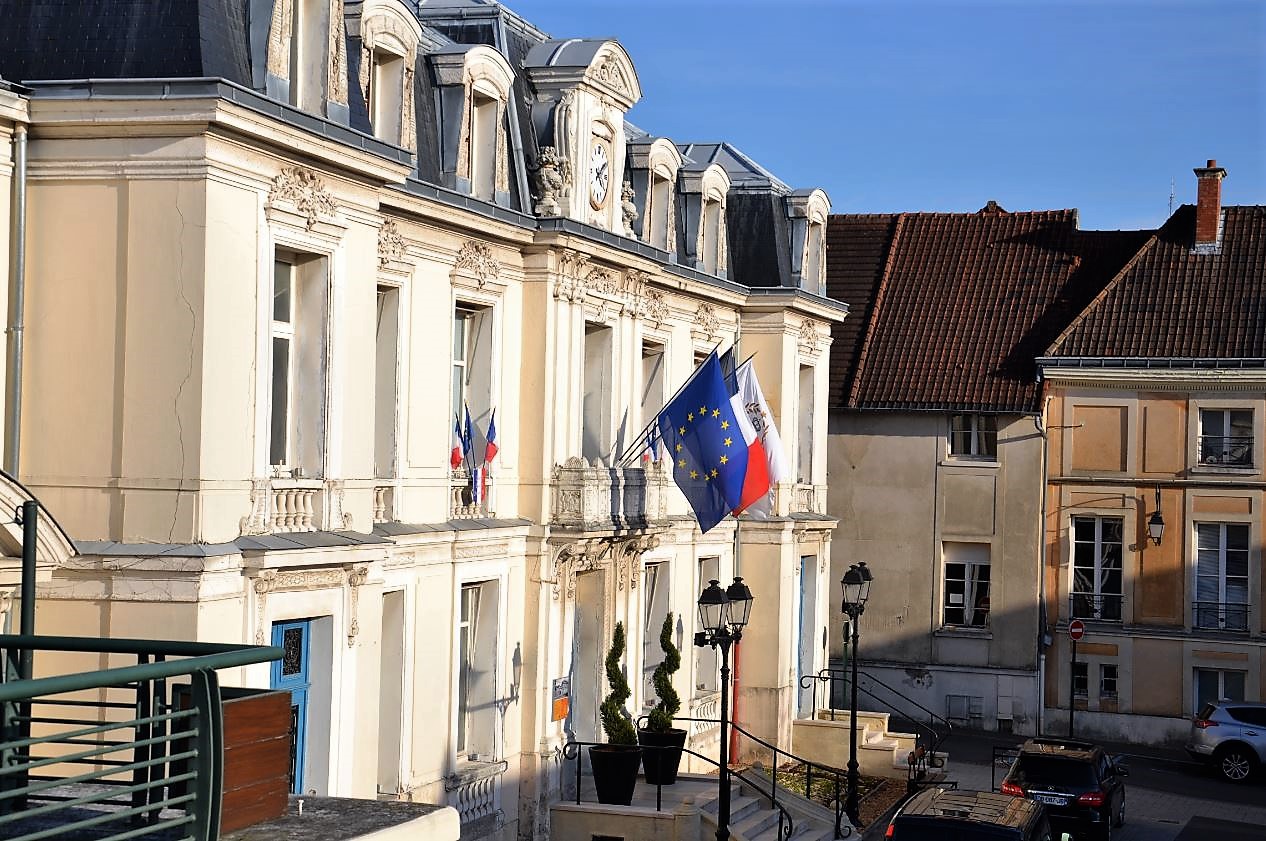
<point x="291" y="673"/>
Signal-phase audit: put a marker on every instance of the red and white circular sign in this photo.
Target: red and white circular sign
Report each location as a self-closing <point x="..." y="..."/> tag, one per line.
<point x="1076" y="629"/>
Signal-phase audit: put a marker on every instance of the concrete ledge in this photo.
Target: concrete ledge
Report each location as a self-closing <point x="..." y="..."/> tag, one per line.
<point x="349" y="819"/>
<point x="581" y="822"/>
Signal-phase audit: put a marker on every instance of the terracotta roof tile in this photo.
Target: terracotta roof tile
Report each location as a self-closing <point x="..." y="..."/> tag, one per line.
<point x="949" y="310"/>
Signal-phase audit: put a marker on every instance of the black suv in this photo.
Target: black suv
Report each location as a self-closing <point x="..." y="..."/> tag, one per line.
<point x="1081" y="787"/>
<point x="940" y="815"/>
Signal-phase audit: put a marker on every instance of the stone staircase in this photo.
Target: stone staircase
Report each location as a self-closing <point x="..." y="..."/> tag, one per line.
<point x="881" y="752"/>
<point x="752" y="818"/>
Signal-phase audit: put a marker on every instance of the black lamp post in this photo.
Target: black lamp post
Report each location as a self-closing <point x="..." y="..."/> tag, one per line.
<point x="855" y="589"/>
<point x="1156" y="523"/>
<point x="724" y="614"/>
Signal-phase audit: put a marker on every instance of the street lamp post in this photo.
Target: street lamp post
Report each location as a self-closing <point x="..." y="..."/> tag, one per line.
<point x="855" y="589"/>
<point x="724" y="614"/>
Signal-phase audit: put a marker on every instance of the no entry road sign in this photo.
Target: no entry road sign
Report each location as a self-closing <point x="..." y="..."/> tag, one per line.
<point x="1076" y="629"/>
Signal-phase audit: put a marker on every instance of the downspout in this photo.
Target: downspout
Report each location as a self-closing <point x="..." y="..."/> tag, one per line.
<point x="1040" y="422"/>
<point x="17" y="301"/>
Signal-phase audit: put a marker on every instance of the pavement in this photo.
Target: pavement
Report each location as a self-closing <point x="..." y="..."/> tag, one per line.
<point x="1168" y="797"/>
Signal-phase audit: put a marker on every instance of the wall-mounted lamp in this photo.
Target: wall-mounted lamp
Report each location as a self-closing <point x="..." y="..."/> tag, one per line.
<point x="1156" y="523"/>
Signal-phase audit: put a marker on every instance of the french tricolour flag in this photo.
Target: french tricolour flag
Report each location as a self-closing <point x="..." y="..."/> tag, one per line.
<point x="756" y="477"/>
<point x="761" y="420"/>
<point x="490" y="449"/>
<point x="455" y="457"/>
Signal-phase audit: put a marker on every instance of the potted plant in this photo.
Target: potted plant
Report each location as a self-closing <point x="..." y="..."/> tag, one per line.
<point x="661" y="765"/>
<point x="615" y="764"/>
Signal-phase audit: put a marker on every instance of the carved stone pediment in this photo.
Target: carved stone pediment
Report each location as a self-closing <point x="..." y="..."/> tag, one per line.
<point x="304" y="191"/>
<point x="476" y="263"/>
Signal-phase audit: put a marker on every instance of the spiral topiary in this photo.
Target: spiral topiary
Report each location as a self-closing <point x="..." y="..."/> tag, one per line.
<point x="615" y="721"/>
<point x="661" y="718"/>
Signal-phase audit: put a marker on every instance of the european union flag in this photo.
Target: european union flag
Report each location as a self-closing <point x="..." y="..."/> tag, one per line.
<point x="701" y="433"/>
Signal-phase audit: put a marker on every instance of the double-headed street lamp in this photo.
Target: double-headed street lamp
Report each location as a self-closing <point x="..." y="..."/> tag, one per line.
<point x="855" y="589"/>
<point x="724" y="614"/>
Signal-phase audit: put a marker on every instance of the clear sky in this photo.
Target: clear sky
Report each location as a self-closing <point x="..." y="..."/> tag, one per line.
<point x="941" y="105"/>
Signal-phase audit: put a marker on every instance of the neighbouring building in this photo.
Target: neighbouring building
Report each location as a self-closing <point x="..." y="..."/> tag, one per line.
<point x="1157" y="394"/>
<point x="276" y="248"/>
<point x="937" y="445"/>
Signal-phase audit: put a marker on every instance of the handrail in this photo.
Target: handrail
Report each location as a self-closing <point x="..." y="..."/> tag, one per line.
<point x="842" y="830"/>
<point x="571" y="750"/>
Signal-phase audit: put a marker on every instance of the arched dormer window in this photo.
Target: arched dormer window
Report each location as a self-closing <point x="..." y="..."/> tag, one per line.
<point x="654" y="164"/>
<point x="703" y="192"/>
<point x="807" y="210"/>
<point x="474" y="92"/>
<point x="389" y="37"/>
<point x="302" y="68"/>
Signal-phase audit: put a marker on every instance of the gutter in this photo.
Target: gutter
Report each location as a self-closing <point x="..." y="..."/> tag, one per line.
<point x="17" y="302"/>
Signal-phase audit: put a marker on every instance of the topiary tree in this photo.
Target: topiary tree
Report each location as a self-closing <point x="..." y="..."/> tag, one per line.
<point x="615" y="720"/>
<point x="661" y="718"/>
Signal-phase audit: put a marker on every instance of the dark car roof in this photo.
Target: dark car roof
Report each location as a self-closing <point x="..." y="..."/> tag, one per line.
<point x="1069" y="748"/>
<point x="987" y="807"/>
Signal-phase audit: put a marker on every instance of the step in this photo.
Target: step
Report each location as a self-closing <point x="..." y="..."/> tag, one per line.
<point x="753" y="825"/>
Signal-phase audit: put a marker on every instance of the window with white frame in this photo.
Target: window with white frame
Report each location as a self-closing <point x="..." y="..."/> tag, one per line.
<point x="1226" y="437"/>
<point x="1213" y="685"/>
<point x="308" y="59"/>
<point x="1108" y="681"/>
<point x="1222" y="601"/>
<point x="595" y="421"/>
<point x="476" y="671"/>
<point x="297" y="365"/>
<point x="1081" y="680"/>
<point x="973" y="436"/>
<point x="658" y="209"/>
<point x="472" y="367"/>
<point x="811" y="276"/>
<point x="707" y="678"/>
<point x="386" y="378"/>
<point x="655" y="609"/>
<point x="804" y="426"/>
<point x="386" y="93"/>
<point x="966" y="591"/>
<point x="1097" y="576"/>
<point x="483" y="145"/>
<point x="653" y="364"/>
<point x="712" y="236"/>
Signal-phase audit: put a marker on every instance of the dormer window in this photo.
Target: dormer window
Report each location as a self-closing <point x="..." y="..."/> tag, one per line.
<point x="807" y="210"/>
<point x="483" y="146"/>
<point x="386" y="94"/>
<point x="812" y="279"/>
<point x="658" y="208"/>
<point x="711" y="235"/>
<point x="703" y="191"/>
<point x="653" y="167"/>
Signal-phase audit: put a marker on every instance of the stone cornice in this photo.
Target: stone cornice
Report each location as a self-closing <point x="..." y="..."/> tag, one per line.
<point x="1158" y="379"/>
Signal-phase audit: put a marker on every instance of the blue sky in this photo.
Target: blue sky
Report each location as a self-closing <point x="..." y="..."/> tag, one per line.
<point x="940" y="106"/>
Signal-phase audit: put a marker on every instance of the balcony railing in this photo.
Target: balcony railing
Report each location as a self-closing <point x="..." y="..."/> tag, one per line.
<point x="593" y="497"/>
<point x="384" y="503"/>
<point x="1099" y="607"/>
<point x="1219" y="616"/>
<point x="463" y="502"/>
<point x="1227" y="450"/>
<point x="126" y="752"/>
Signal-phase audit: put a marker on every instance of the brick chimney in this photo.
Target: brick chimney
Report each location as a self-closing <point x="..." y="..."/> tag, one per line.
<point x="1208" y="203"/>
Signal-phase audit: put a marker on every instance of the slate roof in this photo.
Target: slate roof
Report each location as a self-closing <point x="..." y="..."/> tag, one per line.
<point x="1170" y="302"/>
<point x="950" y="310"/>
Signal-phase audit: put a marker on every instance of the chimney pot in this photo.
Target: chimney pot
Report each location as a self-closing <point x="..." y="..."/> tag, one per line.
<point x="1208" y="203"/>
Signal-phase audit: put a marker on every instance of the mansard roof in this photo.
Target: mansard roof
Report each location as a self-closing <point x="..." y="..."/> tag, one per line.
<point x="744" y="172"/>
<point x="951" y="310"/>
<point x="1173" y="302"/>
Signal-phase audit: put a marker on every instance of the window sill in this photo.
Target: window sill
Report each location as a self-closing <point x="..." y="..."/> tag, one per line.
<point x="1225" y="469"/>
<point x="982" y="462"/>
<point x="955" y="631"/>
<point x="470" y="771"/>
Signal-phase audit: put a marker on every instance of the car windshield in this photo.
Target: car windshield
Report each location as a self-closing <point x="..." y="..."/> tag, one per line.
<point x="943" y="830"/>
<point x="1038" y="771"/>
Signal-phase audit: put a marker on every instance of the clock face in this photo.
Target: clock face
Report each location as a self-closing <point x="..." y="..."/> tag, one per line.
<point x="599" y="175"/>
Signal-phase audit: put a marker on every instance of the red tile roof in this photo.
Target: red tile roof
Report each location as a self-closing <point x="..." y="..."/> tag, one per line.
<point x="1169" y="302"/>
<point x="949" y="310"/>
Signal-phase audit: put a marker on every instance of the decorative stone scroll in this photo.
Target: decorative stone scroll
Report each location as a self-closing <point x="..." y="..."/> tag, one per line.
<point x="324" y="578"/>
<point x="707" y="322"/>
<point x="809" y="337"/>
<point x="476" y="258"/>
<point x="356" y="576"/>
<point x="610" y="73"/>
<point x="305" y="190"/>
<point x="621" y="554"/>
<point x="390" y="244"/>
<point x="629" y="293"/>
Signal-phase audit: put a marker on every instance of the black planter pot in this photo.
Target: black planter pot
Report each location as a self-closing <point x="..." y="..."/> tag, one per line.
<point x="661" y="765"/>
<point x="615" y="772"/>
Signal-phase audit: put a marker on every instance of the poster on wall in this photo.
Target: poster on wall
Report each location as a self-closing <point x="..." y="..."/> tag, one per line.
<point x="562" y="696"/>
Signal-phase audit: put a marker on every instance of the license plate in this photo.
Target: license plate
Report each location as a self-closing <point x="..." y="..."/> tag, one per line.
<point x="1050" y="801"/>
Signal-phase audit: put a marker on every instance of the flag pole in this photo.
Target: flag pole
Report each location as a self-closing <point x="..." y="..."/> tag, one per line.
<point x="624" y="458"/>
<point x="734" y="694"/>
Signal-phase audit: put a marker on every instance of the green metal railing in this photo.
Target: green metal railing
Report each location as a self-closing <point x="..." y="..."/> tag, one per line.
<point x="133" y="751"/>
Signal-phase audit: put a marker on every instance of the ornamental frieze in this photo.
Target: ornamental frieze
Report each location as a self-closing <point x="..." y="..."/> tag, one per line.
<point x="390" y="244"/>
<point x="304" y="189"/>
<point x="476" y="258"/>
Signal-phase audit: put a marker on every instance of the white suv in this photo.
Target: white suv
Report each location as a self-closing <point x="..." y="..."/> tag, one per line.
<point x="1232" y="736"/>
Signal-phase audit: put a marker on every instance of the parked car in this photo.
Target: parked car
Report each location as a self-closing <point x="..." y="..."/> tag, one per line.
<point x="1231" y="736"/>
<point x="950" y="815"/>
<point x="1082" y="788"/>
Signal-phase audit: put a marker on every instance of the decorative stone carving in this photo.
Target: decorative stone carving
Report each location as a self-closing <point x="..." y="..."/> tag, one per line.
<point x="601" y="281"/>
<point x="256" y="522"/>
<point x="279" y="35"/>
<point x="656" y="306"/>
<point x="356" y="576"/>
<point x="334" y="493"/>
<point x="572" y="266"/>
<point x="322" y="578"/>
<point x="304" y="189"/>
<point x="706" y="320"/>
<point x="610" y="73"/>
<point x="628" y="210"/>
<point x="337" y="86"/>
<point x="552" y="173"/>
<point x="263" y="584"/>
<point x="390" y="243"/>
<point x="809" y="337"/>
<point x="409" y="120"/>
<point x="476" y="258"/>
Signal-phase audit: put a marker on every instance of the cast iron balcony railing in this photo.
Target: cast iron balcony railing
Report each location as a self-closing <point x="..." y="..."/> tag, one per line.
<point x="1227" y="450"/>
<point x="1099" y="607"/>
<point x="587" y="497"/>
<point x="1219" y="616"/>
<point x="133" y="751"/>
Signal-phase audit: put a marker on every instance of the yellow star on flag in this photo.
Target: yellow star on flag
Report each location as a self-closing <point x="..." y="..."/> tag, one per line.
<point x="707" y="478"/>
<point x="689" y="417"/>
<point x="681" y="430"/>
<point x="714" y="472"/>
<point x="729" y="441"/>
<point x="725" y="459"/>
<point x="725" y="424"/>
<point x="716" y="413"/>
<point x="679" y="447"/>
<point x="681" y="463"/>
<point x="694" y="474"/>
<point x="703" y="410"/>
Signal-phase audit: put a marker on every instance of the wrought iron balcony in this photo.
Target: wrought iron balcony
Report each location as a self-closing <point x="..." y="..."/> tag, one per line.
<point x="1219" y="616"/>
<point x="595" y="498"/>
<point x="1227" y="450"/>
<point x="132" y="751"/>
<point x="1097" y="607"/>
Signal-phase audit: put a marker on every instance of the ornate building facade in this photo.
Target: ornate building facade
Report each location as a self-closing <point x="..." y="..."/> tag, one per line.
<point x="275" y="252"/>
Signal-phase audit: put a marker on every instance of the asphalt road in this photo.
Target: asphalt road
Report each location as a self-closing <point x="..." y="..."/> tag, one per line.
<point x="1168" y="797"/>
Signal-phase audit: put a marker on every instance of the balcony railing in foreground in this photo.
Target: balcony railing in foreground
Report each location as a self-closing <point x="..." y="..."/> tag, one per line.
<point x="1101" y="607"/>
<point x="1219" y="616"/>
<point x="135" y="751"/>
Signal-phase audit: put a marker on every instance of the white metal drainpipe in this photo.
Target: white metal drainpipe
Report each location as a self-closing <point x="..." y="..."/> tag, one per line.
<point x="17" y="301"/>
